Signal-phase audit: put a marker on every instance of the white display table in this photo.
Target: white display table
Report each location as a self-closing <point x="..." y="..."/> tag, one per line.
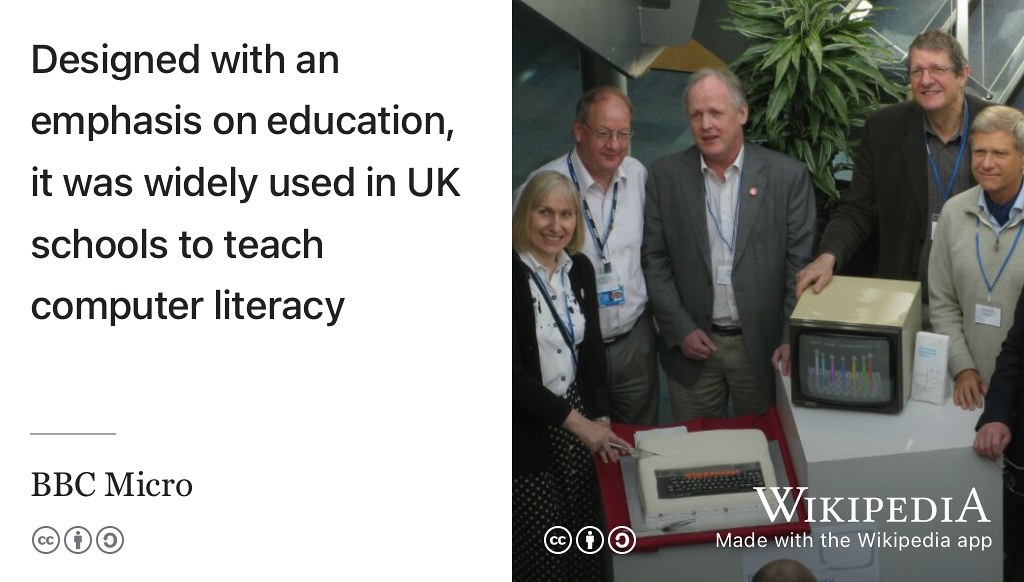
<point x="925" y="451"/>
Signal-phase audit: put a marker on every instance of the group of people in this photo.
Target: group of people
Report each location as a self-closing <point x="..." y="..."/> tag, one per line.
<point x="698" y="262"/>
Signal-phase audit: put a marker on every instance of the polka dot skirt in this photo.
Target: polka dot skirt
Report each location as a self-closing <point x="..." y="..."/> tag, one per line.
<point x="566" y="495"/>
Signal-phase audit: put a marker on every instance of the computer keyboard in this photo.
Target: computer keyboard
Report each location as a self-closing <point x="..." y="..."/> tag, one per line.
<point x="709" y="480"/>
<point x="705" y="475"/>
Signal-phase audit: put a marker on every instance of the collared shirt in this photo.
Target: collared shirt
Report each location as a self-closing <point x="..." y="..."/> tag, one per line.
<point x="622" y="248"/>
<point x="721" y="206"/>
<point x="944" y="154"/>
<point x="966" y="233"/>
<point x="1018" y="207"/>
<point x="557" y="364"/>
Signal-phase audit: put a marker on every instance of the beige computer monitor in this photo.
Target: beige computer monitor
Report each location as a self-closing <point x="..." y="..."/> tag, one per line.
<point x="852" y="345"/>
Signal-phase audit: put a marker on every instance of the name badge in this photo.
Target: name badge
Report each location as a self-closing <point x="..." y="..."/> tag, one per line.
<point x="609" y="290"/>
<point x="724" y="275"/>
<point x="988" y="314"/>
<point x="935" y="225"/>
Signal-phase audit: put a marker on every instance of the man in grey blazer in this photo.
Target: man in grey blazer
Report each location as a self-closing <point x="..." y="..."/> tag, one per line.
<point x="727" y="225"/>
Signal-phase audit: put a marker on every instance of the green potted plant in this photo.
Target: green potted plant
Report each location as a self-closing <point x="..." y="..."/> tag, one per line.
<point x="812" y="73"/>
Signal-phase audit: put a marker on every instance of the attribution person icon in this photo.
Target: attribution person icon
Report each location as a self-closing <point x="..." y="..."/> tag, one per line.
<point x="77" y="540"/>
<point x="589" y="539"/>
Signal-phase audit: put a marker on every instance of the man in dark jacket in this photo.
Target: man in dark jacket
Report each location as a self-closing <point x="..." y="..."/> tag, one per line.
<point x="912" y="157"/>
<point x="1001" y="432"/>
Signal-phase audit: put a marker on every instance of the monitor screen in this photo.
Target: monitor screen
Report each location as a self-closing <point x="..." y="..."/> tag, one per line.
<point x="846" y="368"/>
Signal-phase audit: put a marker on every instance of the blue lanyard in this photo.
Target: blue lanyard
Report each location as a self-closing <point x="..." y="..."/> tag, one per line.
<point x="945" y="191"/>
<point x="735" y="216"/>
<point x="977" y="251"/>
<point x="565" y="326"/>
<point x="591" y="225"/>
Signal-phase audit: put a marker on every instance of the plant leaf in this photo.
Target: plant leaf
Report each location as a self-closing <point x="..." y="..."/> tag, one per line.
<point x="813" y="44"/>
<point x="811" y="74"/>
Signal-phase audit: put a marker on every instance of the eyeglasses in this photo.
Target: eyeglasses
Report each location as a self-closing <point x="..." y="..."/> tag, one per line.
<point x="605" y="135"/>
<point x="934" y="71"/>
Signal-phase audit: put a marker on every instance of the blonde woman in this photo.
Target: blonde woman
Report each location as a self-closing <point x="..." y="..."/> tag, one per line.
<point x="559" y="379"/>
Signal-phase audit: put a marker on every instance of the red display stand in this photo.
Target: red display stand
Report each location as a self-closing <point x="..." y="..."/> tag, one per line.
<point x="613" y="491"/>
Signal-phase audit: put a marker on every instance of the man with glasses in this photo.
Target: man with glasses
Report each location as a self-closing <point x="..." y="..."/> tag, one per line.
<point x="975" y="276"/>
<point x="611" y="187"/>
<point x="727" y="226"/>
<point x="912" y="157"/>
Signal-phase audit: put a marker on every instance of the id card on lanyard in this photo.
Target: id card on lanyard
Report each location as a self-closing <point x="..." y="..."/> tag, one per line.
<point x="610" y="290"/>
<point x="946" y="189"/>
<point x="723" y="270"/>
<point x="565" y="327"/>
<point x="990" y="312"/>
